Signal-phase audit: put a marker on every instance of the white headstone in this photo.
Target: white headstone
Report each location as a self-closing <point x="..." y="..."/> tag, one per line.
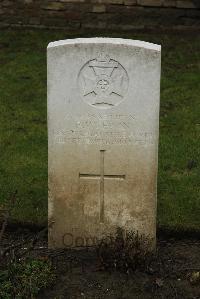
<point x="103" y="126"/>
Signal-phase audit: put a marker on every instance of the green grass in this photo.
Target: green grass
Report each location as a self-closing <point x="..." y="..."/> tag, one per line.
<point x="23" y="131"/>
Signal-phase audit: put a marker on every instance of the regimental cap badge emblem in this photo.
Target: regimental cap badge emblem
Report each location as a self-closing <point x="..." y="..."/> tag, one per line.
<point x="103" y="82"/>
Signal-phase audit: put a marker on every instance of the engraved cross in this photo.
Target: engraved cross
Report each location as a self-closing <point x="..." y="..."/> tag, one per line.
<point x="102" y="176"/>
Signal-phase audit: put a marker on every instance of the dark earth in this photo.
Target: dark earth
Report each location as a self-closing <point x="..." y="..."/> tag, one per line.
<point x="174" y="272"/>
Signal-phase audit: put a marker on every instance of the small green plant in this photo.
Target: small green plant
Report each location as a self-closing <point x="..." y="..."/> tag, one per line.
<point x="24" y="279"/>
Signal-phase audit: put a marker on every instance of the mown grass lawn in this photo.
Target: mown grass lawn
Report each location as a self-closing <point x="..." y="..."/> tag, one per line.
<point x="23" y="130"/>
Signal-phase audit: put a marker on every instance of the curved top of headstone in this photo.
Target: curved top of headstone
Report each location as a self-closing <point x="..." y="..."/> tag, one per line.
<point x="105" y="40"/>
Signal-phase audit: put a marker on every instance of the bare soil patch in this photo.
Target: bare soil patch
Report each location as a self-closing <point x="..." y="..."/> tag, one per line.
<point x="173" y="273"/>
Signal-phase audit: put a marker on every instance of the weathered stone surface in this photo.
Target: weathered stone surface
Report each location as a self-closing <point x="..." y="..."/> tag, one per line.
<point x="54" y="6"/>
<point x="119" y="14"/>
<point x="169" y="3"/>
<point x="99" y="8"/>
<point x="6" y="3"/>
<point x="185" y="4"/>
<point x="28" y="1"/>
<point x="73" y="1"/>
<point x="108" y="1"/>
<point x="116" y="2"/>
<point x="103" y="115"/>
<point x="34" y="21"/>
<point x="150" y="2"/>
<point x="130" y="2"/>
